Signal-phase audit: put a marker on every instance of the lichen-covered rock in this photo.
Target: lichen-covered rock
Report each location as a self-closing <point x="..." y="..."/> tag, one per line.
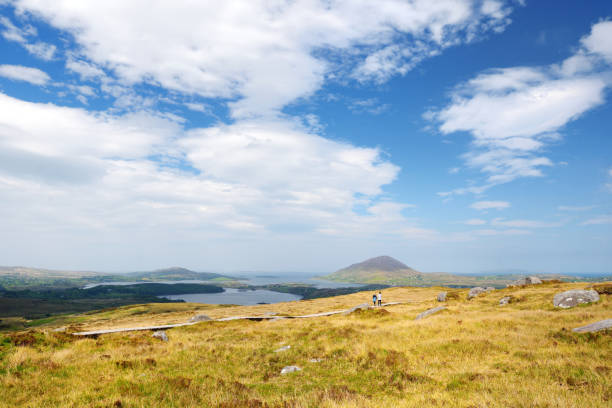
<point x="504" y="301"/>
<point x="160" y="334"/>
<point x="290" y="369"/>
<point x="594" y="327"/>
<point x="429" y="312"/>
<point x="476" y="291"/>
<point x="442" y="297"/>
<point x="572" y="298"/>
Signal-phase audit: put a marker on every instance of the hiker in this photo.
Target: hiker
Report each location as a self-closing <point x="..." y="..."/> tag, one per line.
<point x="374" y="299"/>
<point x="379" y="298"/>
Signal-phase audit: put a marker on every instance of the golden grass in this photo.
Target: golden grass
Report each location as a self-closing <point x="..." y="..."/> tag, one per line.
<point x="475" y="354"/>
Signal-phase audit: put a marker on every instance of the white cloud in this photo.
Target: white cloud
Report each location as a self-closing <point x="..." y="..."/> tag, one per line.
<point x="370" y="105"/>
<point x="600" y="220"/>
<point x="20" y="73"/>
<point x="493" y="232"/>
<point x="576" y="207"/>
<point x="600" y="40"/>
<point x="23" y="36"/>
<point x="487" y="205"/>
<point x="197" y="107"/>
<point x="85" y="69"/>
<point x="475" y="221"/>
<point x="500" y="222"/>
<point x="91" y="174"/>
<point x="514" y="113"/>
<point x="285" y="158"/>
<point x="610" y="172"/>
<point x="454" y="170"/>
<point x="263" y="54"/>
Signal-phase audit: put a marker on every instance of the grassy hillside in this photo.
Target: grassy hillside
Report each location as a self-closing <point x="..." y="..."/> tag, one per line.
<point x="475" y="354"/>
<point x="23" y="278"/>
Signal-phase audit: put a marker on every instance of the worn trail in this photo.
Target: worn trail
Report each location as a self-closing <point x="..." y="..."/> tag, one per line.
<point x="224" y="319"/>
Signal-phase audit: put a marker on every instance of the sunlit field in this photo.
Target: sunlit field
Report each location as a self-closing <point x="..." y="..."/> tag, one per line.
<point x="474" y="354"/>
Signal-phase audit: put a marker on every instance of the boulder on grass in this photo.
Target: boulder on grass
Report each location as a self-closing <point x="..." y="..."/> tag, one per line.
<point x="572" y="298"/>
<point x="429" y="312"/>
<point x="475" y="292"/>
<point x="528" y="280"/>
<point x="160" y="334"/>
<point x="290" y="369"/>
<point x="505" y="300"/>
<point x="594" y="327"/>
<point x="442" y="297"/>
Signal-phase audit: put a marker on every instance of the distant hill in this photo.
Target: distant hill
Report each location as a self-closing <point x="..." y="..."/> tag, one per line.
<point x="175" y="273"/>
<point x="381" y="269"/>
<point x="385" y="270"/>
<point x="21" y="278"/>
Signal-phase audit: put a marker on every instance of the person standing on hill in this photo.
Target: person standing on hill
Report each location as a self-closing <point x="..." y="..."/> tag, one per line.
<point x="379" y="298"/>
<point x="374" y="299"/>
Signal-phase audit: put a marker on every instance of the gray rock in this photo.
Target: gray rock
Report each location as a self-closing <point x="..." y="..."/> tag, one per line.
<point x="475" y="292"/>
<point x="429" y="312"/>
<point x="200" y="318"/>
<point x="315" y="360"/>
<point x="160" y="334"/>
<point x="290" y="369"/>
<point x="270" y="313"/>
<point x="442" y="297"/>
<point x="362" y="306"/>
<point x="594" y="327"/>
<point x="490" y="289"/>
<point x="528" y="280"/>
<point x="504" y="301"/>
<point x="59" y="330"/>
<point x="284" y="348"/>
<point x="572" y="298"/>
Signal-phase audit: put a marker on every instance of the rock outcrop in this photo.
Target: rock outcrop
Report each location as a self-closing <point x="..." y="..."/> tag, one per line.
<point x="572" y="298"/>
<point x="429" y="312"/>
<point x="442" y="297"/>
<point x="290" y="369"/>
<point x="528" y="280"/>
<point x="594" y="327"/>
<point x="505" y="300"/>
<point x="161" y="334"/>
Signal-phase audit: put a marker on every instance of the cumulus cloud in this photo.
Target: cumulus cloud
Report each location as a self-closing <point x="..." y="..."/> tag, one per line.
<point x="514" y="113"/>
<point x="28" y="74"/>
<point x="487" y="205"/>
<point x="258" y="54"/>
<point x="142" y="171"/>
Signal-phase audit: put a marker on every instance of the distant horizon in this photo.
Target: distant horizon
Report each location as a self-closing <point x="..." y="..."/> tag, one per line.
<point x="283" y="272"/>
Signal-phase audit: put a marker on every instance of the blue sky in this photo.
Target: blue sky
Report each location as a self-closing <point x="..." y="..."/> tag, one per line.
<point x="456" y="135"/>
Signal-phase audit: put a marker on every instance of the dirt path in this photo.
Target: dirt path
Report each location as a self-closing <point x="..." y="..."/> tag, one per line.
<point x="224" y="319"/>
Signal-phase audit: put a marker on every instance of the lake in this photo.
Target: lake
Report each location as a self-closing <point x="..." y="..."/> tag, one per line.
<point x="240" y="297"/>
